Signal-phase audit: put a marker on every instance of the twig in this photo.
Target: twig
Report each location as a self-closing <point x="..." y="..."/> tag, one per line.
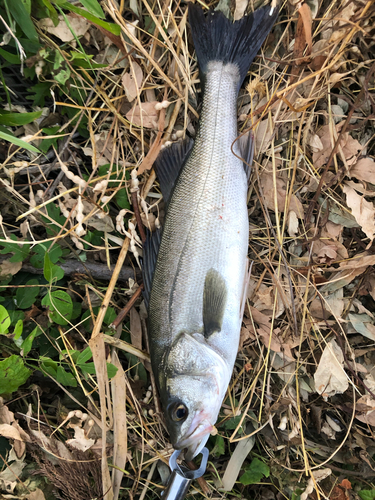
<point x="122" y="314"/>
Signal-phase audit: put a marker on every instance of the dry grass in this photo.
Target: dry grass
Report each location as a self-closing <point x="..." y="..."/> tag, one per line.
<point x="303" y="238"/>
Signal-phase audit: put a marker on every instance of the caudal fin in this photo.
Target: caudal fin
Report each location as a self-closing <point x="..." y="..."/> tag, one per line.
<point x="218" y="39"/>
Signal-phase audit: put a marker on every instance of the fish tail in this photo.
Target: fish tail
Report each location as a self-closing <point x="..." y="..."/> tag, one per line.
<point x="216" y="38"/>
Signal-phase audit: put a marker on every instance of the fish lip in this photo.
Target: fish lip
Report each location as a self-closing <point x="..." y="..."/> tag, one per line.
<point x="196" y="437"/>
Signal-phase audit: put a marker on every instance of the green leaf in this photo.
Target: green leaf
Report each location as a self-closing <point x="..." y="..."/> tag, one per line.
<point x="84" y="356"/>
<point x="41" y="90"/>
<point x="55" y="214"/>
<point x="21" y="12"/>
<point x="65" y="378"/>
<point x="112" y="28"/>
<point x="18" y="142"/>
<point x="219" y="448"/>
<point x="255" y="472"/>
<point x="93" y="7"/>
<point x="367" y="494"/>
<point x="111" y="370"/>
<point x="52" y="12"/>
<point x="122" y="199"/>
<point x="60" y="305"/>
<point x="18" y="329"/>
<point x="51" y="271"/>
<point x="25" y="297"/>
<point x="10" y="119"/>
<point x="37" y="260"/>
<point x="62" y="76"/>
<point x="89" y="368"/>
<point x="28" y="342"/>
<point x="20" y="251"/>
<point x="11" y="58"/>
<point x="4" y="320"/>
<point x="47" y="143"/>
<point x="13" y="373"/>
<point x="49" y="366"/>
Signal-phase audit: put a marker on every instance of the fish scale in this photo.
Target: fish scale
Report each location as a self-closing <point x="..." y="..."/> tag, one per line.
<point x="206" y="224"/>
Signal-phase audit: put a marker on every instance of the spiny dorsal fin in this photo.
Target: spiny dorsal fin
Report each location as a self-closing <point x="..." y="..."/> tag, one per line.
<point x="214" y="302"/>
<point x="169" y="163"/>
<point x="150" y="255"/>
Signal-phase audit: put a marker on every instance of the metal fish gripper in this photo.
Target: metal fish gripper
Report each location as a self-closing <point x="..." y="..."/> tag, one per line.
<point x="181" y="477"/>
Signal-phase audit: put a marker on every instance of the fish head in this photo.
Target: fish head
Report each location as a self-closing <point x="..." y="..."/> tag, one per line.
<point x="195" y="386"/>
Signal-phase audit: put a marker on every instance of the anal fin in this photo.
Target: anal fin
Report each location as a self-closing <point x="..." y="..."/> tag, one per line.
<point x="214" y="302"/>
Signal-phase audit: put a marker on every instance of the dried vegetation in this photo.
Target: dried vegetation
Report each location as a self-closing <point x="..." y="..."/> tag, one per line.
<point x="302" y="397"/>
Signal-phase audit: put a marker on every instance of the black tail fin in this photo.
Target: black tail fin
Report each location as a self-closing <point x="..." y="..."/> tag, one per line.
<point x="217" y="39"/>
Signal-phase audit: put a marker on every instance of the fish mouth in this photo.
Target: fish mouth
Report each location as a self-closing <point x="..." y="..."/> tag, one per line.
<point x="197" y="436"/>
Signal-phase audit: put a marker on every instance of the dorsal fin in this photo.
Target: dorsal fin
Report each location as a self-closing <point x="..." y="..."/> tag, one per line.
<point x="214" y="302"/>
<point x="245" y="147"/>
<point x="169" y="163"/>
<point x="150" y="255"/>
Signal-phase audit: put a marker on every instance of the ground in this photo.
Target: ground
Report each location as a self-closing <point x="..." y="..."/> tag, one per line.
<point x="90" y="92"/>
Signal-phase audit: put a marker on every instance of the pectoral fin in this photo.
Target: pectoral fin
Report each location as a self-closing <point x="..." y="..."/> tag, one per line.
<point x="214" y="302"/>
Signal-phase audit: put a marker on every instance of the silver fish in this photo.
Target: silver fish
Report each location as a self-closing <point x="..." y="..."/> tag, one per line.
<point x="195" y="271"/>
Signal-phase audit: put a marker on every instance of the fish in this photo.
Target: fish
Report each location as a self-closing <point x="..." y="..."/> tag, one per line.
<point x="195" y="268"/>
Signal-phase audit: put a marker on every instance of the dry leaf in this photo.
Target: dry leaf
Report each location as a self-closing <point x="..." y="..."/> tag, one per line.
<point x="363" y="324"/>
<point x="240" y="9"/>
<point x="7" y="268"/>
<point x="368" y="417"/>
<point x="292" y="224"/>
<point x="135" y="329"/>
<point x="10" y="432"/>
<point x="80" y="441"/>
<point x="263" y="136"/>
<point x="132" y="81"/>
<point x="276" y="342"/>
<point x="78" y="25"/>
<point x="36" y="495"/>
<point x="350" y="147"/>
<point x="144" y="115"/>
<point x="330" y="377"/>
<point x="303" y="34"/>
<point x="362" y="210"/>
<point x="364" y="170"/>
<point x="266" y="180"/>
<point x="348" y="270"/>
<point x="120" y="446"/>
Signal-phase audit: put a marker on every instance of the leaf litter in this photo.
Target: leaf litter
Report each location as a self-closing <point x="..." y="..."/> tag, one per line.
<point x="303" y="389"/>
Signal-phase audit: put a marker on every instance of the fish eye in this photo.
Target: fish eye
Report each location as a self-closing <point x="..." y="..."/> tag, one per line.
<point x="179" y="412"/>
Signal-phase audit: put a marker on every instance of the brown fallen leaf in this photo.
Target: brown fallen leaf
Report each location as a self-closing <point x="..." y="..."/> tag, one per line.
<point x="349" y="146"/>
<point x="363" y="211"/>
<point x="144" y="115"/>
<point x="273" y="339"/>
<point x="78" y="27"/>
<point x="364" y="170"/>
<point x="135" y="329"/>
<point x="132" y="81"/>
<point x="9" y="268"/>
<point x="348" y="271"/>
<point x="330" y="377"/>
<point x="303" y="35"/>
<point x="266" y="180"/>
<point x="368" y="416"/>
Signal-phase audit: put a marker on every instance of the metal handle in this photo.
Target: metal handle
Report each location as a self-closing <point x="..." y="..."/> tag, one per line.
<point x="181" y="477"/>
